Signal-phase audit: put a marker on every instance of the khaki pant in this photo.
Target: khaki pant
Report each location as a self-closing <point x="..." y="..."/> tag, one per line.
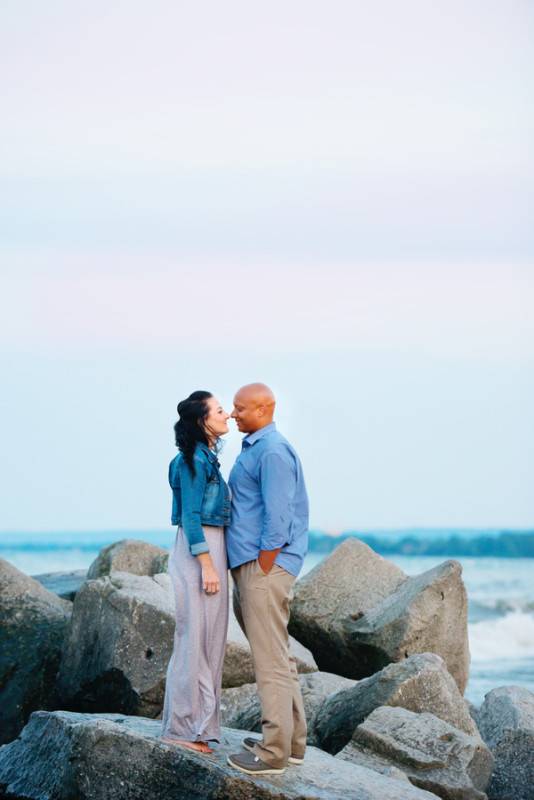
<point x="261" y="605"/>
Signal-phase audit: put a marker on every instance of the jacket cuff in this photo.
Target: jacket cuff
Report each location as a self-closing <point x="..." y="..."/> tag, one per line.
<point x="199" y="547"/>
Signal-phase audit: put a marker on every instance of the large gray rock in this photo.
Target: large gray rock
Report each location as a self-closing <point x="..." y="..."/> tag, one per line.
<point x="119" y="644"/>
<point x="426" y="613"/>
<point x="419" y="683"/>
<point x="433" y="754"/>
<point x="32" y="629"/>
<point x="358" y="612"/>
<point x="347" y="584"/>
<point x="129" y="555"/>
<point x="240" y="706"/>
<point x="64" y="584"/>
<point x="506" y="721"/>
<point x="238" y="667"/>
<point x="63" y="755"/>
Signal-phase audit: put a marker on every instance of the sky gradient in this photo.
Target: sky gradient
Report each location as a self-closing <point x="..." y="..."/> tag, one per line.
<point x="335" y="199"/>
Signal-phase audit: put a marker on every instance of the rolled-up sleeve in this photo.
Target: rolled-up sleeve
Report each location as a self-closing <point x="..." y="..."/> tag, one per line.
<point x="278" y="481"/>
<point x="193" y="487"/>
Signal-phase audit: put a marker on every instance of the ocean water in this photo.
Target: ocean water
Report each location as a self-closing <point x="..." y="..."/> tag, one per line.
<point x="500" y="592"/>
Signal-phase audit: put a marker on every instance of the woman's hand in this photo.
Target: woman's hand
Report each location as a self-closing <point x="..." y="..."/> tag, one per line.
<point x="210" y="577"/>
<point x="210" y="580"/>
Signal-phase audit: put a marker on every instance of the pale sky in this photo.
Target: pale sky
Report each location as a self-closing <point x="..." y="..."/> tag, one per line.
<point x="334" y="198"/>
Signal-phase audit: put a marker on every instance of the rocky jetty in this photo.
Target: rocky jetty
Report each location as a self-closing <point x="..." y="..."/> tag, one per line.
<point x="386" y="715"/>
<point x="33" y="625"/>
<point x="431" y="753"/>
<point x="506" y="721"/>
<point x="357" y="613"/>
<point x="61" y="755"/>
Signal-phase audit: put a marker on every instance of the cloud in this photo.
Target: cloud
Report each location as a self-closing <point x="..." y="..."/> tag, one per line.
<point x="406" y="87"/>
<point x="141" y="300"/>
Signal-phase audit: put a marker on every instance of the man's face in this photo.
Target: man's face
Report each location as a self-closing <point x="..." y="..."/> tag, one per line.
<point x="247" y="413"/>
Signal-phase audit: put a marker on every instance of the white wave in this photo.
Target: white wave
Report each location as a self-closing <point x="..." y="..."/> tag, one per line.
<point x="507" y="637"/>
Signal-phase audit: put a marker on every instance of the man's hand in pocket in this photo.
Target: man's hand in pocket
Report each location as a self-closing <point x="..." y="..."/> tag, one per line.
<point x="266" y="559"/>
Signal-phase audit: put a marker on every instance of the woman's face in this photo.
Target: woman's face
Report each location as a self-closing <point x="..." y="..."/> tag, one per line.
<point x="216" y="423"/>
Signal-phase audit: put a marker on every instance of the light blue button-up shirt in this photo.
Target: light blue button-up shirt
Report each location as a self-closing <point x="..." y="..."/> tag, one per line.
<point x="269" y="502"/>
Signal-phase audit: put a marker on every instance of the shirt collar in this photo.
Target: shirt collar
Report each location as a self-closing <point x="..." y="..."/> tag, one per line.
<point x="252" y="438"/>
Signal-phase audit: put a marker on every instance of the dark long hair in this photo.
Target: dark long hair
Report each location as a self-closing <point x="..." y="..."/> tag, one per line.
<point x="189" y="430"/>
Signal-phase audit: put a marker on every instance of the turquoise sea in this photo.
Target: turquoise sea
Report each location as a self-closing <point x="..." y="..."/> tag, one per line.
<point x="500" y="591"/>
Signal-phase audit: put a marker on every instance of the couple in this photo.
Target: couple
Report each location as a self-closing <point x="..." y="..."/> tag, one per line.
<point x="261" y="533"/>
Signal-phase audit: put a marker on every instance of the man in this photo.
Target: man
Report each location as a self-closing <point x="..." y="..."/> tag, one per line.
<point x="267" y="541"/>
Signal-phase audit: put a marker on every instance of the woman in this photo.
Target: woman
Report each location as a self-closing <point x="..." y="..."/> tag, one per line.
<point x="198" y="570"/>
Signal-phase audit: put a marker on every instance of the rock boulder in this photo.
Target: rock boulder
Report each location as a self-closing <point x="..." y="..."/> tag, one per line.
<point x="32" y="629"/>
<point x="357" y="613"/>
<point x="129" y="555"/>
<point x="63" y="755"/>
<point x="506" y="721"/>
<point x="348" y="583"/>
<point x="433" y="754"/>
<point x="419" y="683"/>
<point x="426" y="613"/>
<point x="119" y="644"/>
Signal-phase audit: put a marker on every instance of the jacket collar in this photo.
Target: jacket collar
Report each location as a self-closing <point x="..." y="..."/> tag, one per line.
<point x="210" y="454"/>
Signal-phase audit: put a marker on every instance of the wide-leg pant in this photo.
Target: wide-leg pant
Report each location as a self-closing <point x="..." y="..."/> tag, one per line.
<point x="191" y="709"/>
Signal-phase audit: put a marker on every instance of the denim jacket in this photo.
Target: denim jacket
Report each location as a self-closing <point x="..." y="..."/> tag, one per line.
<point x="202" y="499"/>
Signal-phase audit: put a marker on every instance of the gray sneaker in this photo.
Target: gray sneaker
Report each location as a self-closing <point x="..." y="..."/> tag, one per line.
<point x="249" y="742"/>
<point x="252" y="765"/>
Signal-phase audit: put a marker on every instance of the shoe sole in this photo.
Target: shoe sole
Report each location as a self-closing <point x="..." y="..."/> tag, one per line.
<point x="269" y="771"/>
<point x="291" y="760"/>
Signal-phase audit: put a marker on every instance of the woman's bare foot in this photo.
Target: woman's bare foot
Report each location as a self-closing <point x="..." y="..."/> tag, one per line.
<point x="199" y="747"/>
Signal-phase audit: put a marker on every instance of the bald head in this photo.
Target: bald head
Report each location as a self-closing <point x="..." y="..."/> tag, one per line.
<point x="256" y="393"/>
<point x="253" y="407"/>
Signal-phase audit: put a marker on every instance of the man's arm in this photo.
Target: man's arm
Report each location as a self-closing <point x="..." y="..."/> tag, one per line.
<point x="278" y="482"/>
